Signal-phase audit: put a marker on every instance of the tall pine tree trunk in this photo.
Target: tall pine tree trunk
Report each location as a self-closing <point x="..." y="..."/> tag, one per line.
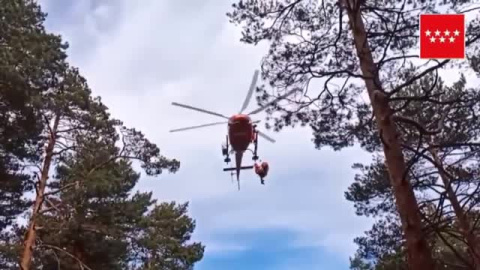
<point x="30" y="236"/>
<point x="418" y="251"/>
<point x="463" y="220"/>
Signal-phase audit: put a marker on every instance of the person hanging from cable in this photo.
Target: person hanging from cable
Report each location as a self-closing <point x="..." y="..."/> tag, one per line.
<point x="261" y="169"/>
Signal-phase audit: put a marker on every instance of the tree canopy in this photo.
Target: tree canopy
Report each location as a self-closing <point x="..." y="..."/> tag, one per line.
<point x="30" y="58"/>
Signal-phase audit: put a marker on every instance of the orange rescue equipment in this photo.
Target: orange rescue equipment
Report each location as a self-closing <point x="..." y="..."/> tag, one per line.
<point x="261" y="170"/>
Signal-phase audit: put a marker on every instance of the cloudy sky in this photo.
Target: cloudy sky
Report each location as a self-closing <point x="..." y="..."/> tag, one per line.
<point x="141" y="57"/>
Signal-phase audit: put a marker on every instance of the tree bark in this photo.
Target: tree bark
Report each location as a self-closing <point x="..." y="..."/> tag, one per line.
<point x="463" y="220"/>
<point x="79" y="252"/>
<point x="418" y="251"/>
<point x="30" y="236"/>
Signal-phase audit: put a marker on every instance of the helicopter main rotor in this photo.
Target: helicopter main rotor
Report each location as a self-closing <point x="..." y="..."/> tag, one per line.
<point x="244" y="106"/>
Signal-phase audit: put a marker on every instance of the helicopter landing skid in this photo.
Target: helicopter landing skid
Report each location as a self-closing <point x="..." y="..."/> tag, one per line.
<point x="241" y="168"/>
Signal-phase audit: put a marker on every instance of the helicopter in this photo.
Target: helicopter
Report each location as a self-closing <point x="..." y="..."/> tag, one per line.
<point x="242" y="131"/>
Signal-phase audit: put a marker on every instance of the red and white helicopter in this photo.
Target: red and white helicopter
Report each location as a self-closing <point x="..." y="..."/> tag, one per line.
<point x="242" y="132"/>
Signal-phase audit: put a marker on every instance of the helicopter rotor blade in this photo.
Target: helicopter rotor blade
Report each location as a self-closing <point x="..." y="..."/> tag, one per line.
<point x="250" y="91"/>
<point x="198" y="109"/>
<point x="200" y="126"/>
<point x="266" y="137"/>
<point x="273" y="101"/>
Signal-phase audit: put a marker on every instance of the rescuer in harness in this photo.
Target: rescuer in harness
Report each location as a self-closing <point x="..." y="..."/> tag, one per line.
<point x="261" y="170"/>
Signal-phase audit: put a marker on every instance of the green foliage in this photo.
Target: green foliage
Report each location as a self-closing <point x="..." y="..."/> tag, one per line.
<point x="31" y="59"/>
<point x="161" y="240"/>
<point x="12" y="187"/>
<point x="381" y="247"/>
<point x="10" y="247"/>
<point x="371" y="192"/>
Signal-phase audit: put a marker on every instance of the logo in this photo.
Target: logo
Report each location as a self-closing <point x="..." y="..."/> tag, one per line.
<point x="442" y="36"/>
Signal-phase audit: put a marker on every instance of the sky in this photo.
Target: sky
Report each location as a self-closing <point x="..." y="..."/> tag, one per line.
<point x="141" y="57"/>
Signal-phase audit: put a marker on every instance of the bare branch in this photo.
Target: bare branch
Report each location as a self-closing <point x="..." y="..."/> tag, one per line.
<point x="67" y="253"/>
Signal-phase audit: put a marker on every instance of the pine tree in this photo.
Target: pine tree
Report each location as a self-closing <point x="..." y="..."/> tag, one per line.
<point x="345" y="44"/>
<point x="101" y="224"/>
<point x="383" y="244"/>
<point x="73" y="117"/>
<point x="30" y="59"/>
<point x="442" y="152"/>
<point x="89" y="210"/>
<point x="69" y="113"/>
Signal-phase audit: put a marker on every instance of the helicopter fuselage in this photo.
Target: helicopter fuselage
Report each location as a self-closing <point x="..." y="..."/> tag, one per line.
<point x="240" y="132"/>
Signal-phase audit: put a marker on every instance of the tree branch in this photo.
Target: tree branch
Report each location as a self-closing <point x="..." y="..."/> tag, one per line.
<point x="67" y="253"/>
